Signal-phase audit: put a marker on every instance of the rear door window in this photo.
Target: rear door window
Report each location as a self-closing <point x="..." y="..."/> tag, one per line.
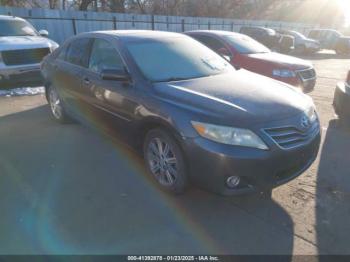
<point x="78" y="52"/>
<point x="314" y="34"/>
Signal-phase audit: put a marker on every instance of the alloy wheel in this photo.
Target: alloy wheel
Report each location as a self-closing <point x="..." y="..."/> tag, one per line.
<point x="162" y="162"/>
<point x="55" y="104"/>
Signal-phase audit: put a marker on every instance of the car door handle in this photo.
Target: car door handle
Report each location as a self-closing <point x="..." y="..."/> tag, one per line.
<point x="86" y="81"/>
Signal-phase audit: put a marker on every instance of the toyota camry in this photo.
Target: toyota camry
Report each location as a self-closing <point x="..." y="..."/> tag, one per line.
<point x="197" y="119"/>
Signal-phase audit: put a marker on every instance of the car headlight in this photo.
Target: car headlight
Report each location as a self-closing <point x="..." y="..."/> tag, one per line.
<point x="283" y="73"/>
<point x="229" y="135"/>
<point x="53" y="47"/>
<point x="311" y="114"/>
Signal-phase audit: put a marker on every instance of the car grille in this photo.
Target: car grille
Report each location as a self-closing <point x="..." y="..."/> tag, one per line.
<point x="307" y="74"/>
<point x="292" y="137"/>
<point x="24" y="56"/>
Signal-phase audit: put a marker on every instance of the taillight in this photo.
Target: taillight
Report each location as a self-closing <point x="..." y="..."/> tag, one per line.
<point x="348" y="78"/>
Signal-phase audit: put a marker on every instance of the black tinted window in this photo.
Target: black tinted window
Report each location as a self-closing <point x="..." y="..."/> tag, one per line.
<point x="104" y="56"/>
<point x="314" y="34"/>
<point x="78" y="52"/>
<point x="210" y="42"/>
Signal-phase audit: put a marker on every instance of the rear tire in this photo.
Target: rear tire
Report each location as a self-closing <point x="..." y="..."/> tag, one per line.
<point x="165" y="160"/>
<point x="56" y="106"/>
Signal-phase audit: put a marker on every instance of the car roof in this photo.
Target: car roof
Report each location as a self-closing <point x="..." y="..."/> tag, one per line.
<point x="134" y="34"/>
<point x="324" y="30"/>
<point x="256" y="27"/>
<point x="217" y="33"/>
<point x="7" y="17"/>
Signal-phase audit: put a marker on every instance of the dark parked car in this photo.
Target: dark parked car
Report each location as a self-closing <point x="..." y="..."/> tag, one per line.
<point x="244" y="52"/>
<point x="269" y="37"/>
<point x="342" y="99"/>
<point x="302" y="44"/>
<point x="197" y="118"/>
<point x="331" y="39"/>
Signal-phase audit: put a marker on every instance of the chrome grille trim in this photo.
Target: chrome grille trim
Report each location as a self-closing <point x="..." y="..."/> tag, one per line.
<point x="24" y="56"/>
<point x="290" y="137"/>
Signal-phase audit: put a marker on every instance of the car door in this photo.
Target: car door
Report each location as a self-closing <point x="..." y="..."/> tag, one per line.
<point x="68" y="73"/>
<point x="113" y="99"/>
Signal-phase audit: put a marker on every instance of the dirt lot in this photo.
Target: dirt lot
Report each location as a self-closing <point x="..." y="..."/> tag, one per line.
<point x="70" y="189"/>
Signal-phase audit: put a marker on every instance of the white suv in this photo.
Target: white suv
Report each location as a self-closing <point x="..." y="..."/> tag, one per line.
<point x="21" y="50"/>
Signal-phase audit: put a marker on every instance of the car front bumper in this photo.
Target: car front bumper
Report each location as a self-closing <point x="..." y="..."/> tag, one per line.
<point x="20" y="76"/>
<point x="211" y="164"/>
<point x="341" y="100"/>
<point x="308" y="85"/>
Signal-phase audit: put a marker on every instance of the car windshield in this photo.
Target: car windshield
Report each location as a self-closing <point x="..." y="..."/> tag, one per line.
<point x="16" y="28"/>
<point x="246" y="45"/>
<point x="177" y="58"/>
<point x="297" y="34"/>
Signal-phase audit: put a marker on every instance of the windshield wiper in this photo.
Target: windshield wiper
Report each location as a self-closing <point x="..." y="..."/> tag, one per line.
<point x="172" y="79"/>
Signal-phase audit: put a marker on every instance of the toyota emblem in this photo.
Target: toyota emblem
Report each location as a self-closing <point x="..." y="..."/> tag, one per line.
<point x="305" y="122"/>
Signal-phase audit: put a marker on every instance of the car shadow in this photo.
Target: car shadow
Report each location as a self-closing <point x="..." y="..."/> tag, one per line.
<point x="333" y="191"/>
<point x="69" y="190"/>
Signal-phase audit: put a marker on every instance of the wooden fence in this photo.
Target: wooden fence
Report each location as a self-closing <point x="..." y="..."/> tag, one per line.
<point x="63" y="24"/>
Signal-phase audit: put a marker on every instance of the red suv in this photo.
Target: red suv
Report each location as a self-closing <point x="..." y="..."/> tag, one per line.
<point x="244" y="52"/>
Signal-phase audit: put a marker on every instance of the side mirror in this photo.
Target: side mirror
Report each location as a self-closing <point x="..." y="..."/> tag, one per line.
<point x="225" y="54"/>
<point x="115" y="75"/>
<point x="44" y="33"/>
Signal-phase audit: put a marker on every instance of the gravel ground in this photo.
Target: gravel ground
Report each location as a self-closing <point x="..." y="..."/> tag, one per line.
<point x="71" y="190"/>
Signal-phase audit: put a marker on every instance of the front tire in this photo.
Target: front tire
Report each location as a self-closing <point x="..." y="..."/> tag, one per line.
<point x="56" y="106"/>
<point x="164" y="159"/>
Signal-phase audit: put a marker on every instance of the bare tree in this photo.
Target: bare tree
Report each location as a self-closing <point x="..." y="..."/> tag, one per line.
<point x="53" y="4"/>
<point x="84" y="4"/>
<point x="117" y="5"/>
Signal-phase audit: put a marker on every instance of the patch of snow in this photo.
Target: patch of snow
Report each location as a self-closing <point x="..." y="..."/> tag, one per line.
<point x="23" y="91"/>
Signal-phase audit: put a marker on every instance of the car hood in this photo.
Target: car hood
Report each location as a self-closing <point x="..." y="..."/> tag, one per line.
<point x="286" y="61"/>
<point x="241" y="97"/>
<point x="25" y="42"/>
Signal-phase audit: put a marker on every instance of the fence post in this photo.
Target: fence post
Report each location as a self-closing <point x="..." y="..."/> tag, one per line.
<point x="114" y="23"/>
<point x="152" y="19"/>
<point x="74" y="26"/>
<point x="209" y="25"/>
<point x="183" y="25"/>
<point x="232" y="26"/>
<point x="167" y="22"/>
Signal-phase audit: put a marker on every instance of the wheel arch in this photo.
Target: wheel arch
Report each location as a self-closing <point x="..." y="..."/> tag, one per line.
<point x="154" y="123"/>
<point x="47" y="84"/>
